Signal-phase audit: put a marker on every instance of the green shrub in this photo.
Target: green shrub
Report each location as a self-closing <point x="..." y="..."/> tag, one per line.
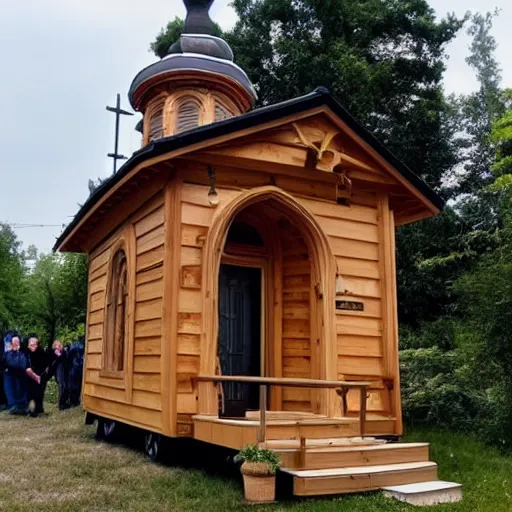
<point x="433" y="391"/>
<point x="251" y="453"/>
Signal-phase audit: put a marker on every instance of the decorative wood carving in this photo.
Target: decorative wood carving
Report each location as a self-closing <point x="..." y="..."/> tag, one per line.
<point x="328" y="158"/>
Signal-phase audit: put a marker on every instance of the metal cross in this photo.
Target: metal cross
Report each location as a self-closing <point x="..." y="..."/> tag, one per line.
<point x="118" y="112"/>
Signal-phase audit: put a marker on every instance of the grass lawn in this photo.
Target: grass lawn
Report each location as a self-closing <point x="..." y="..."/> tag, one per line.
<point x="55" y="464"/>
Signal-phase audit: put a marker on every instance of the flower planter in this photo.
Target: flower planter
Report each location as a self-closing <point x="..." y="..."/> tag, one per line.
<point x="259" y="484"/>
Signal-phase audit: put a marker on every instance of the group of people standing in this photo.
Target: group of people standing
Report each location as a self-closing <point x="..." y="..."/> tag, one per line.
<point x="26" y="371"/>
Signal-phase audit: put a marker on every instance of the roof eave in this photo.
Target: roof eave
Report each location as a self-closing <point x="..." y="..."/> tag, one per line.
<point x="186" y="142"/>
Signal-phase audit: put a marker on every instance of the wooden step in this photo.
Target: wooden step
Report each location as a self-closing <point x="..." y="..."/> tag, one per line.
<point x="354" y="456"/>
<point x="356" y="479"/>
<point x="291" y="444"/>
<point x="283" y="415"/>
<point x="426" y="494"/>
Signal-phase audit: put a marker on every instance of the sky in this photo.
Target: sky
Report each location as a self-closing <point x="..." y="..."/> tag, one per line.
<point x="64" y="61"/>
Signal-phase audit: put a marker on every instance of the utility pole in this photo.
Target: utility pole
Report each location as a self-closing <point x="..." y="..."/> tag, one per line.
<point x="118" y="112"/>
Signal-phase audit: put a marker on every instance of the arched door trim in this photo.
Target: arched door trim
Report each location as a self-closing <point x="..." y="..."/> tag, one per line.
<point x="323" y="273"/>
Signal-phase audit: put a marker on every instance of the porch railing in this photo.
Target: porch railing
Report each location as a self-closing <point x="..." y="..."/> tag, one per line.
<point x="341" y="387"/>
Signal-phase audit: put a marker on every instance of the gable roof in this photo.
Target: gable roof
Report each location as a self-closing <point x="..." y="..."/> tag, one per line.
<point x="318" y="98"/>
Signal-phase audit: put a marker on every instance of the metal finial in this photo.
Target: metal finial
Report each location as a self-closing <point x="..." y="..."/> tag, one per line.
<point x="198" y="19"/>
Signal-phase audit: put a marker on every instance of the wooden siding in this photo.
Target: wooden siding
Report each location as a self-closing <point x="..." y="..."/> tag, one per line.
<point x="133" y="398"/>
<point x="355" y="237"/>
<point x="296" y="323"/>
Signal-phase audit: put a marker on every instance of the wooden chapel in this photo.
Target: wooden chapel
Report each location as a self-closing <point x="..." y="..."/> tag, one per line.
<point x="242" y="282"/>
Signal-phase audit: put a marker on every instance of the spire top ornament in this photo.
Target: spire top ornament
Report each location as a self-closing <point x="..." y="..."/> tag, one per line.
<point x="198" y="19"/>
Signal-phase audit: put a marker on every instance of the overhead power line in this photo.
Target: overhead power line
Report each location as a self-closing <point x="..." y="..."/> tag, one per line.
<point x="21" y="226"/>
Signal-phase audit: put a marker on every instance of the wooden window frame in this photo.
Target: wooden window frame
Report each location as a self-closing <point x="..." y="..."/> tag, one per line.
<point x="226" y="103"/>
<point x="172" y="108"/>
<point x="120" y="245"/>
<point x="158" y="103"/>
<point x="183" y="100"/>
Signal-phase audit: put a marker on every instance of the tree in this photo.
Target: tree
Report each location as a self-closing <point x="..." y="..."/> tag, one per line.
<point x="383" y="60"/>
<point x="170" y="34"/>
<point x="476" y="112"/>
<point x="12" y="270"/>
<point x="432" y="255"/>
<point x="56" y="295"/>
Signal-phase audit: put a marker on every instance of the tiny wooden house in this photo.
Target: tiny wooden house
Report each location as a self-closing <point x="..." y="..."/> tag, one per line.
<point x="242" y="281"/>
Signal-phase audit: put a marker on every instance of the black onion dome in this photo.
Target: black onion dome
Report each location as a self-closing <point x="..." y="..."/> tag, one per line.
<point x="197" y="49"/>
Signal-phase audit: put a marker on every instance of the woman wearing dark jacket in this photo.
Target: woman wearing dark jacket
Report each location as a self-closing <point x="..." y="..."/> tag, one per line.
<point x="59" y="368"/>
<point x="16" y="378"/>
<point x="37" y="360"/>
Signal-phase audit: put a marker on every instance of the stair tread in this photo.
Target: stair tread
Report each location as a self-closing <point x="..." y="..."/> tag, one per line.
<point x="292" y="444"/>
<point x="369" y="447"/>
<point x="433" y="485"/>
<point x="358" y="470"/>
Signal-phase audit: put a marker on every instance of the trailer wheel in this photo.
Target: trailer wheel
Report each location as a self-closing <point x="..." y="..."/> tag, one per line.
<point x="153" y="446"/>
<point x="107" y="429"/>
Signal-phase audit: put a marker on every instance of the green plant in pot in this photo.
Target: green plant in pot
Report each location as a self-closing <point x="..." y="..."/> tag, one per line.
<point x="259" y="470"/>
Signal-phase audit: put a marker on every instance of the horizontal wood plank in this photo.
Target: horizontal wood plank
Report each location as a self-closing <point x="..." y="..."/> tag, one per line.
<point x="124" y="412"/>
<point x="189" y="344"/>
<point x="150" y="259"/>
<point x="190" y="301"/>
<point x="149" y="222"/>
<point x="149" y="309"/>
<point x="147" y="399"/>
<point x="189" y="323"/>
<point x="196" y="215"/>
<point x="147" y="346"/>
<point x="345" y="247"/>
<point x="146" y="364"/>
<point x="151" y="274"/>
<point x="363" y="366"/>
<point x="147" y="382"/>
<point x="353" y="212"/>
<point x="149" y="291"/>
<point x="193" y="236"/>
<point x="370" y="346"/>
<point x="148" y="328"/>
<point x="94" y="377"/>
<point x="349" y="229"/>
<point x="150" y="240"/>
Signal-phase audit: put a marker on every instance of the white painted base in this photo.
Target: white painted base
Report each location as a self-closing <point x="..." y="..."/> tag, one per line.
<point x="426" y="494"/>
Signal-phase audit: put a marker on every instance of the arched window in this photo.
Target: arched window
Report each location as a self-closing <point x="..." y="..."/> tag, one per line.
<point x="187" y="117"/>
<point x="116" y="312"/>
<point x="156" y="122"/>
<point x="222" y="112"/>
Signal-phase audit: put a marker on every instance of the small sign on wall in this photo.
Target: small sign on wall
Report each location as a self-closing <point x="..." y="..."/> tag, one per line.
<point x="349" y="305"/>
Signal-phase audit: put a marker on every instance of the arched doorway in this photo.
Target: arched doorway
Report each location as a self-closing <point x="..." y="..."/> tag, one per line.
<point x="277" y="260"/>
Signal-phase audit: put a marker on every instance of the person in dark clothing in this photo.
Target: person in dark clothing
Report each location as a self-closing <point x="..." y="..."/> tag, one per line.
<point x="16" y="377"/>
<point x="59" y="369"/>
<point x="37" y="360"/>
<point x="75" y="371"/>
<point x="3" y="397"/>
<point x="6" y="399"/>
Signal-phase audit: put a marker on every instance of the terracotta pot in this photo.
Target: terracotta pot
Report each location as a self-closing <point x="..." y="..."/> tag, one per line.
<point x="259" y="484"/>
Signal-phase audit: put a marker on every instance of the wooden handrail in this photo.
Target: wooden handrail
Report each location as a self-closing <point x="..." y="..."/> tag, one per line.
<point x="285" y="381"/>
<point x="342" y="388"/>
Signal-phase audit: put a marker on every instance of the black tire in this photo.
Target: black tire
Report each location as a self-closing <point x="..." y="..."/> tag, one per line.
<point x="153" y="446"/>
<point x="107" y="430"/>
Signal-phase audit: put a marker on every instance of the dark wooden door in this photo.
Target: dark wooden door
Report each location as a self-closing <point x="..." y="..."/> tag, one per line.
<point x="239" y="345"/>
